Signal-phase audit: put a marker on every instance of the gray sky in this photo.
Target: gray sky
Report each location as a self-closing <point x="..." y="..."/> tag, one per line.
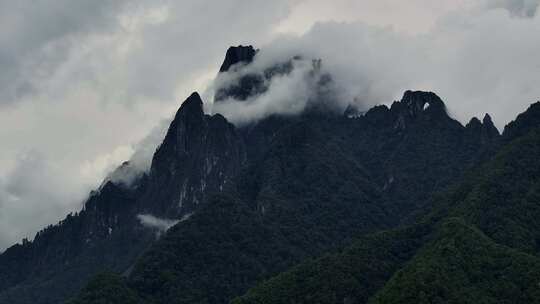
<point x="83" y="82"/>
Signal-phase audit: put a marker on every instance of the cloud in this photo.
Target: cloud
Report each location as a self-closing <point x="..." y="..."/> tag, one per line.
<point x="517" y="8"/>
<point x="288" y="94"/>
<point x="27" y="202"/>
<point x="82" y="84"/>
<point x="157" y="223"/>
<point x="141" y="159"/>
<point x="161" y="225"/>
<point x="36" y="36"/>
<point x="477" y="60"/>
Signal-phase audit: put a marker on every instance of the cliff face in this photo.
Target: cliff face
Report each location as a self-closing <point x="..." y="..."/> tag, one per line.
<point x="250" y="201"/>
<point x="237" y="54"/>
<point x="199" y="156"/>
<point x="478" y="244"/>
<point x="311" y="184"/>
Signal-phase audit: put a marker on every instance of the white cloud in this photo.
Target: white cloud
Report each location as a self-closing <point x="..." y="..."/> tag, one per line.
<point x="157" y="223"/>
<point x="82" y="84"/>
<point x="480" y="59"/>
<point x="160" y="225"/>
<point x="288" y="94"/>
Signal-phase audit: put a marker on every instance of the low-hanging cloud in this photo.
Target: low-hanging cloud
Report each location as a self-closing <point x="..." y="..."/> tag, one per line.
<point x="141" y="159"/>
<point x="478" y="60"/>
<point x="27" y="187"/>
<point x="82" y="84"/>
<point x="160" y="224"/>
<point x="288" y="94"/>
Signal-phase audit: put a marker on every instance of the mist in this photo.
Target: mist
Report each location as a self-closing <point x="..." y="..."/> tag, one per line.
<point x="461" y="59"/>
<point x="81" y="84"/>
<point x="81" y="93"/>
<point x="160" y="224"/>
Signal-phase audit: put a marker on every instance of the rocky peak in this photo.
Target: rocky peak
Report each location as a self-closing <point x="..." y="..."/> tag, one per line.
<point x="524" y="123"/>
<point x="474" y="124"/>
<point x="418" y="105"/>
<point x="191" y="109"/>
<point x="489" y="127"/>
<point x="482" y="132"/>
<point x="243" y="86"/>
<point x="199" y="155"/>
<point x="487" y="120"/>
<point x="185" y="128"/>
<point x="418" y="102"/>
<point x="237" y="54"/>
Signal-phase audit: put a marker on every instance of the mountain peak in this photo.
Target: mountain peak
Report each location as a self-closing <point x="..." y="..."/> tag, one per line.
<point x="489" y="127"/>
<point x="418" y="101"/>
<point x="193" y="105"/>
<point x="524" y="123"/>
<point x="474" y="123"/>
<point x="482" y="131"/>
<point x="418" y="104"/>
<point x="237" y="54"/>
<point x="487" y="119"/>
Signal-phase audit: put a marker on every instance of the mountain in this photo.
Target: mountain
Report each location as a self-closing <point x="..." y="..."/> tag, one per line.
<point x="311" y="183"/>
<point x="479" y="244"/>
<point x="237" y="81"/>
<point x="199" y="155"/>
<point x="273" y="208"/>
<point x="237" y="55"/>
<point x="319" y="182"/>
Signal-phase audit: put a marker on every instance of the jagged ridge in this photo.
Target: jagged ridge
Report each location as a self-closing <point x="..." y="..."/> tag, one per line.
<point x="264" y="197"/>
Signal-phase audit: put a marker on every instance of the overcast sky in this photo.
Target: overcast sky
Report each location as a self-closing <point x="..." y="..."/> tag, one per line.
<point x="83" y="82"/>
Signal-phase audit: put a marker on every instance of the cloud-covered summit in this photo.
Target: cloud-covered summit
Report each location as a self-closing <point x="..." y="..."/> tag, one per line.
<point x="82" y="84"/>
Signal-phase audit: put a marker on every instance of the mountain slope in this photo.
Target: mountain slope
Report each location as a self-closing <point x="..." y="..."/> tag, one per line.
<point x="349" y="276"/>
<point x="262" y="197"/>
<point x="496" y="262"/>
<point x="462" y="265"/>
<point x="107" y="288"/>
<point x="61" y="258"/>
<point x="199" y="155"/>
<point x="307" y="192"/>
<point x="268" y="223"/>
<point x="455" y="263"/>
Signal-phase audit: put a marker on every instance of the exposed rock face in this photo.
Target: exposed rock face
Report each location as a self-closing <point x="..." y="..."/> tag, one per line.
<point x="482" y="132"/>
<point x="524" y="122"/>
<point x="249" y="84"/>
<point x="419" y="105"/>
<point x="311" y="182"/>
<point x="237" y="54"/>
<point x="244" y="87"/>
<point x="199" y="156"/>
<point x="490" y="129"/>
<point x="419" y="101"/>
<point x="328" y="175"/>
<point x="60" y="259"/>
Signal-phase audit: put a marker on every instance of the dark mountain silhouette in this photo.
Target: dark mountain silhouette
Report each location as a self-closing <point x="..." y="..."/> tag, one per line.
<point x="478" y="244"/>
<point x="199" y="155"/>
<point x="236" y="55"/>
<point x="277" y="207"/>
